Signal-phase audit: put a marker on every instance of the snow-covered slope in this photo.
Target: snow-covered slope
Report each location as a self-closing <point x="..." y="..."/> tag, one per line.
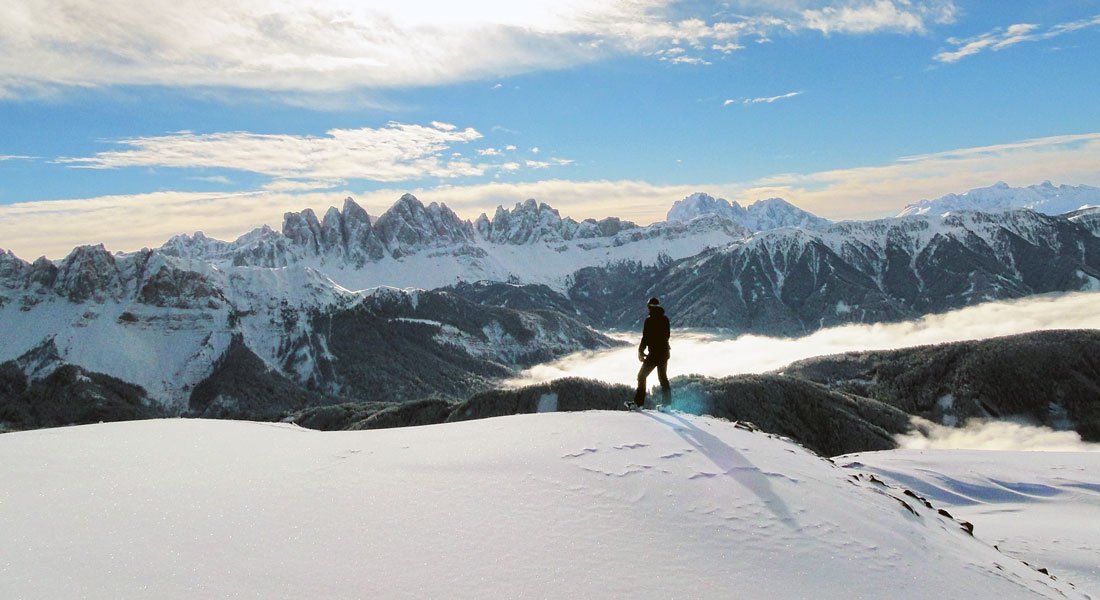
<point x="1045" y="198"/>
<point x="762" y="215"/>
<point x="568" y="505"/>
<point x="1041" y="507"/>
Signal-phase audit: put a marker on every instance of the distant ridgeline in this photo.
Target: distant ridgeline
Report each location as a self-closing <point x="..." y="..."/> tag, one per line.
<point x="267" y="326"/>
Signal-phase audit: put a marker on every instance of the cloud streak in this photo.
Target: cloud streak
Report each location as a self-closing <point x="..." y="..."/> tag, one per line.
<point x="330" y="45"/>
<point x="762" y="100"/>
<point x="714" y="355"/>
<point x="1000" y="39"/>
<point x="397" y="152"/>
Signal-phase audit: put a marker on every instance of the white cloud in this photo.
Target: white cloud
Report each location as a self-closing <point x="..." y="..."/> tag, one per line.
<point x="979" y="434"/>
<point x="219" y="179"/>
<point x="763" y="100"/>
<point x="489" y="152"/>
<point x="312" y="46"/>
<point x="510" y="148"/>
<point x="397" y="152"/>
<point x="720" y="356"/>
<point x="865" y="17"/>
<point x="727" y="48"/>
<point x="535" y="150"/>
<point x="687" y="60"/>
<point x="302" y="185"/>
<point x="999" y="39"/>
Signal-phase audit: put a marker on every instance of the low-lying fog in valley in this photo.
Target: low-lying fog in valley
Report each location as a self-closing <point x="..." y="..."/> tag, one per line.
<point x="719" y="355"/>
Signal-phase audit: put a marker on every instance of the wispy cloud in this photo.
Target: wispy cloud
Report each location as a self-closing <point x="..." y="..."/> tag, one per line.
<point x="999" y="39"/>
<point x="302" y="185"/>
<point x="320" y="45"/>
<point x="219" y="179"/>
<point x="727" y="48"/>
<point x="761" y="100"/>
<point x="397" y="152"/>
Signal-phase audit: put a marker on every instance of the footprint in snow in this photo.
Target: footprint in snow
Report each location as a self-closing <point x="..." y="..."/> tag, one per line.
<point x="579" y="454"/>
<point x="633" y="446"/>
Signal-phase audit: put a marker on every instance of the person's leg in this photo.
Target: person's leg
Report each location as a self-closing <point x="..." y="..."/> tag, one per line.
<point x="639" y="394"/>
<point x="662" y="376"/>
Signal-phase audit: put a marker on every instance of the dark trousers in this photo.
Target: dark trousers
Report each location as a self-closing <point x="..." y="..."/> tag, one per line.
<point x="661" y="364"/>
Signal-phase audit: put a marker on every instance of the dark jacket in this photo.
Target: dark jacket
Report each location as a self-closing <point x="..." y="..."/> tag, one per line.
<point x="655" y="333"/>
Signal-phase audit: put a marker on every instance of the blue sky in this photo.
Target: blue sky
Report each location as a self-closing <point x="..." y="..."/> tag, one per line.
<point x="126" y="122"/>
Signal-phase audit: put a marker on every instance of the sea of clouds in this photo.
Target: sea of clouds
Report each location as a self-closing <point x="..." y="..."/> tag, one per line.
<point x="717" y="355"/>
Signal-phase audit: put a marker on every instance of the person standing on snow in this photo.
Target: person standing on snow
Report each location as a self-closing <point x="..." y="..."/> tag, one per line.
<point x="655" y="334"/>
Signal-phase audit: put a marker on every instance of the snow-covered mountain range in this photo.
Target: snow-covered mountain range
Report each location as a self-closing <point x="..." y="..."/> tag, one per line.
<point x="793" y="281"/>
<point x="429" y="246"/>
<point x="1046" y="198"/>
<point x="319" y="308"/>
<point x="165" y="322"/>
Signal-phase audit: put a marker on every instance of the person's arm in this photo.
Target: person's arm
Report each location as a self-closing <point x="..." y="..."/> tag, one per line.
<point x="645" y="340"/>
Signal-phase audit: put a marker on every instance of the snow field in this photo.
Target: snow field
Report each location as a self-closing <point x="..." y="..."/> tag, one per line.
<point x="1042" y="507"/>
<point x="558" y="505"/>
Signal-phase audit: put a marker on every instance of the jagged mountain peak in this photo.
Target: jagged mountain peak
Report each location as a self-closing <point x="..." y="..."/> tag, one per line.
<point x="761" y="215"/>
<point x="11" y="265"/>
<point x="701" y="203"/>
<point x="409" y="226"/>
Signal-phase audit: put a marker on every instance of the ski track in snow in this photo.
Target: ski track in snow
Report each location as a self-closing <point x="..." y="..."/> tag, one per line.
<point x="559" y="505"/>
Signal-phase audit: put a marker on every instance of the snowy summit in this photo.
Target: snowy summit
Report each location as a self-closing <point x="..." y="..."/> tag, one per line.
<point x="563" y="505"/>
<point x="1045" y="198"/>
<point x="761" y="215"/>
